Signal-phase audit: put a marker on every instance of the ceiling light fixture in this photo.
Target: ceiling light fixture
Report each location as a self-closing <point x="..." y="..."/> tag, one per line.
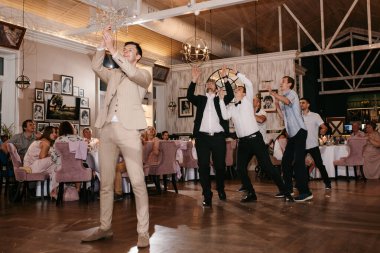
<point x="22" y="82"/>
<point x="195" y="50"/>
<point x="109" y="16"/>
<point x="172" y="105"/>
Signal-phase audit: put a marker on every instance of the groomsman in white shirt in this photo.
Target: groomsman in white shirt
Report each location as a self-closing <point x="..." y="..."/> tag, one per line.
<point x="315" y="126"/>
<point x="250" y="139"/>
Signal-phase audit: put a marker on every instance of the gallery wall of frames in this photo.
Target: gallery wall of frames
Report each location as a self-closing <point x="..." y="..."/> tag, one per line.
<point x="60" y="100"/>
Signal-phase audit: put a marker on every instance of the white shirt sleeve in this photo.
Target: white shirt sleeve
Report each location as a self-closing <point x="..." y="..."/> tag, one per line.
<point x="248" y="86"/>
<point x="226" y="112"/>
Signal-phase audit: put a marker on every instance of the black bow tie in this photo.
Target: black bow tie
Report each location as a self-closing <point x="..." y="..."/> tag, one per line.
<point x="238" y="103"/>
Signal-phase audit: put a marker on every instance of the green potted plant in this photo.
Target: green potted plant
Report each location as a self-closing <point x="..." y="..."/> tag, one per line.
<point x="7" y="131"/>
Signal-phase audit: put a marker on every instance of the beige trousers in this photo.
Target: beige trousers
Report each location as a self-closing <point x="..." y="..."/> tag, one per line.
<point x="115" y="139"/>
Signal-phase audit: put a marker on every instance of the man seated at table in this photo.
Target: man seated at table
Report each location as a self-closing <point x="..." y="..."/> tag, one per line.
<point x="22" y="140"/>
<point x="356" y="132"/>
<point x="165" y="135"/>
<point x="93" y="143"/>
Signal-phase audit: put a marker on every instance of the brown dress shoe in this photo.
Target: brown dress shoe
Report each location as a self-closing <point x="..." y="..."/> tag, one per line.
<point x="143" y="240"/>
<point x="98" y="235"/>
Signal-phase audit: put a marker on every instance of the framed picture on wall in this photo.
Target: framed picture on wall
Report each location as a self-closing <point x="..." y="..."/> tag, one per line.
<point x="39" y="95"/>
<point x="41" y="126"/>
<point x="267" y="101"/>
<point x="11" y="35"/>
<point x="38" y="112"/>
<point x="84" y="119"/>
<point x="84" y="102"/>
<point x="185" y="108"/>
<point x="54" y="124"/>
<point x="160" y="73"/>
<point x="56" y="87"/>
<point x="81" y="92"/>
<point x="67" y="84"/>
<point x="47" y="86"/>
<point x="76" y="91"/>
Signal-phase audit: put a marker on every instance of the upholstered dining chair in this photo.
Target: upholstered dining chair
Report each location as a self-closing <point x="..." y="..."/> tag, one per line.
<point x="147" y="148"/>
<point x="354" y="158"/>
<point x="72" y="170"/>
<point x="23" y="178"/>
<point x="167" y="164"/>
<point x="189" y="162"/>
<point x="230" y="149"/>
<point x="5" y="173"/>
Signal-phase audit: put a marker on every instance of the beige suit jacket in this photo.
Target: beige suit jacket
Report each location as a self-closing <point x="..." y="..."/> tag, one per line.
<point x="130" y="84"/>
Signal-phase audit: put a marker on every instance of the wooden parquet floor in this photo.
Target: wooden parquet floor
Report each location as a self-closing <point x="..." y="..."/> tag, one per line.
<point x="345" y="219"/>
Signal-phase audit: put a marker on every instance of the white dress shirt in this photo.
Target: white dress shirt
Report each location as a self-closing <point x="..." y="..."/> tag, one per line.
<point x="210" y="120"/>
<point x="243" y="114"/>
<point x="262" y="126"/>
<point x="312" y="121"/>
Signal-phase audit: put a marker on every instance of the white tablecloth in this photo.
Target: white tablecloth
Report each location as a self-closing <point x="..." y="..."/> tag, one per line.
<point x="331" y="153"/>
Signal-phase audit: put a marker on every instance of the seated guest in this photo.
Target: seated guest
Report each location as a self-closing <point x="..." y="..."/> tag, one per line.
<point x="37" y="159"/>
<point x="356" y="132"/>
<point x="150" y="135"/>
<point x="371" y="152"/>
<point x="93" y="143"/>
<point x="23" y="140"/>
<point x="165" y="135"/>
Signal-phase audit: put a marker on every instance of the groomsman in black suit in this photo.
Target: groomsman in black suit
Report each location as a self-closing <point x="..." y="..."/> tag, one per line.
<point x="210" y="131"/>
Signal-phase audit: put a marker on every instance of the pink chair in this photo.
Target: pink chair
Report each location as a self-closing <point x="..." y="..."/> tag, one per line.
<point x="166" y="166"/>
<point x="72" y="170"/>
<point x="230" y="149"/>
<point x="147" y="148"/>
<point x="22" y="177"/>
<point x="354" y="158"/>
<point x="189" y="161"/>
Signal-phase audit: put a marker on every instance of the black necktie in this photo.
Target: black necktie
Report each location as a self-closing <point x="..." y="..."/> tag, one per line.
<point x="238" y="103"/>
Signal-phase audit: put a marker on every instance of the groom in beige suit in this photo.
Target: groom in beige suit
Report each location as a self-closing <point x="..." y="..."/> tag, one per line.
<point x="119" y="120"/>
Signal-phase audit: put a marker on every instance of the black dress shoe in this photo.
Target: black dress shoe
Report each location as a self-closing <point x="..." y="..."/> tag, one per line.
<point x="288" y="197"/>
<point x="242" y="189"/>
<point x="222" y="195"/>
<point x="250" y="197"/>
<point x="207" y="203"/>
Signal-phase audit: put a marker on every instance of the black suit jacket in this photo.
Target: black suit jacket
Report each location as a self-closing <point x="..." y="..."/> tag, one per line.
<point x="200" y="102"/>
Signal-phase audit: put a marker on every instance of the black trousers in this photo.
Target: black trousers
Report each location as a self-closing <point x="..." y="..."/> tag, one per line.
<point x="214" y="146"/>
<point x="247" y="148"/>
<point x="316" y="155"/>
<point x="295" y="151"/>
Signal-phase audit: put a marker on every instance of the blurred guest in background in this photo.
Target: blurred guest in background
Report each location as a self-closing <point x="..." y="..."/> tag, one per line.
<point x="371" y="152"/>
<point x="356" y="132"/>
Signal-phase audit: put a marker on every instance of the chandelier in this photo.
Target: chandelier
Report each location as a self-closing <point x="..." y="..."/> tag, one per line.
<point x="111" y="16"/>
<point x="195" y="50"/>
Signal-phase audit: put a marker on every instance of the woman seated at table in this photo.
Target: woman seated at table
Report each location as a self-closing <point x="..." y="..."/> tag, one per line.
<point x="150" y="136"/>
<point x="371" y="152"/>
<point x="37" y="159"/>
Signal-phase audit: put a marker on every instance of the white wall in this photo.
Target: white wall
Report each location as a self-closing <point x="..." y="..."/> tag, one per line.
<point x="45" y="62"/>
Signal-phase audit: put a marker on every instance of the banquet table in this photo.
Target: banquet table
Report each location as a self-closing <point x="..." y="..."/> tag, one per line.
<point x="329" y="154"/>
